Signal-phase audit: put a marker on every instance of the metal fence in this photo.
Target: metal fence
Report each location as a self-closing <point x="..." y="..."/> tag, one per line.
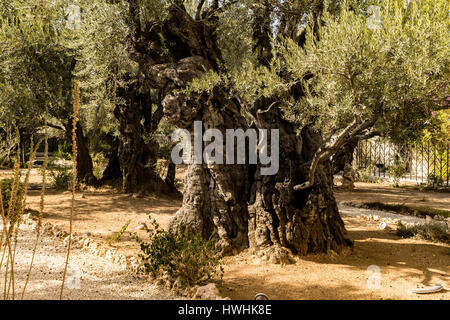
<point x="424" y="162"/>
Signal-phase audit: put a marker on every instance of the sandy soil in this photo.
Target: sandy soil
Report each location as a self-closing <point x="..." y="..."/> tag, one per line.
<point x="103" y="213"/>
<point x="404" y="264"/>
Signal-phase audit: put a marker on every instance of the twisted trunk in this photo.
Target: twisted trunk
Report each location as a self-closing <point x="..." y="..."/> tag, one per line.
<point x="245" y="208"/>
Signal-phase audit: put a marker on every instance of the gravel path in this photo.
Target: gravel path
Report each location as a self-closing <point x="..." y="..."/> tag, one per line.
<point x="90" y="277"/>
<point x="361" y="212"/>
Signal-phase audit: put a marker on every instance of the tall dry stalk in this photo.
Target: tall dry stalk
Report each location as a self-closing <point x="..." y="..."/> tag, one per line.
<point x="24" y="191"/>
<point x="9" y="224"/>
<point x="14" y="218"/>
<point x="41" y="204"/>
<point x="22" y="197"/>
<point x="76" y="108"/>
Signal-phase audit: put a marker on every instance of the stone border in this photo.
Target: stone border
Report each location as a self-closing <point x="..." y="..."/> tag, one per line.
<point x="86" y="244"/>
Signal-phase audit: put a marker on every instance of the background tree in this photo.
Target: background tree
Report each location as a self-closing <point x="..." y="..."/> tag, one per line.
<point x="118" y="100"/>
<point x="37" y="72"/>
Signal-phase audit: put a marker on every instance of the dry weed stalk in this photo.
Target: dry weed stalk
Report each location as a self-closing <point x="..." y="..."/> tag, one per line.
<point x="41" y="204"/>
<point x="9" y="223"/>
<point x="76" y="108"/>
<point x="14" y="217"/>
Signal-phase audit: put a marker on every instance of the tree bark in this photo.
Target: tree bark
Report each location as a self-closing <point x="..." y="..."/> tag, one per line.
<point x="170" y="176"/>
<point x="244" y="208"/>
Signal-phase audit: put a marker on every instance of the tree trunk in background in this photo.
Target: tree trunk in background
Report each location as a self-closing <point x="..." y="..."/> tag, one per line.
<point x="348" y="177"/>
<point x="243" y="207"/>
<point x="170" y="176"/>
<point x="85" y="173"/>
<point x="344" y="156"/>
<point x="342" y="161"/>
<point x="136" y="157"/>
<point x="112" y="170"/>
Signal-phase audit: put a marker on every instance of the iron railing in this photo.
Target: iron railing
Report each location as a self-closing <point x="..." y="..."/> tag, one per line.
<point x="424" y="162"/>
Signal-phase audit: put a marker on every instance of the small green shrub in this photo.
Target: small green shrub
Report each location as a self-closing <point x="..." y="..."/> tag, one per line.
<point x="64" y="152"/>
<point x="436" y="232"/>
<point x="397" y="170"/>
<point x="120" y="233"/>
<point x="62" y="177"/>
<point x="99" y="162"/>
<point x="183" y="255"/>
<point x="365" y="175"/>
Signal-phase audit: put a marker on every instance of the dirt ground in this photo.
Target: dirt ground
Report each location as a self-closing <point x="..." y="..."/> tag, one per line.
<point x="404" y="263"/>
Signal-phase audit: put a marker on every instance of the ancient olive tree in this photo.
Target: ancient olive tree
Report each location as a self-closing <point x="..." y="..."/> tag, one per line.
<point x="334" y="73"/>
<point x="393" y="71"/>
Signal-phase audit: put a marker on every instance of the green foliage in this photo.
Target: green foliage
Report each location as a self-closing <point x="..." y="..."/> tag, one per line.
<point x="64" y="152"/>
<point x="182" y="255"/>
<point x="178" y="184"/>
<point x="120" y="233"/>
<point x="100" y="162"/>
<point x="160" y="167"/>
<point x="438" y="131"/>
<point x="397" y="170"/>
<point x="397" y="73"/>
<point x="35" y="63"/>
<point x="62" y="177"/>
<point x="365" y="174"/>
<point x="103" y="64"/>
<point x="436" y="232"/>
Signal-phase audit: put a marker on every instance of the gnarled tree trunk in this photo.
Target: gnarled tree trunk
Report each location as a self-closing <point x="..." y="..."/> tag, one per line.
<point x="245" y="208"/>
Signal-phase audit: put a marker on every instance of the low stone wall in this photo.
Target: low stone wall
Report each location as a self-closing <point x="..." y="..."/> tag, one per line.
<point x="87" y="244"/>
